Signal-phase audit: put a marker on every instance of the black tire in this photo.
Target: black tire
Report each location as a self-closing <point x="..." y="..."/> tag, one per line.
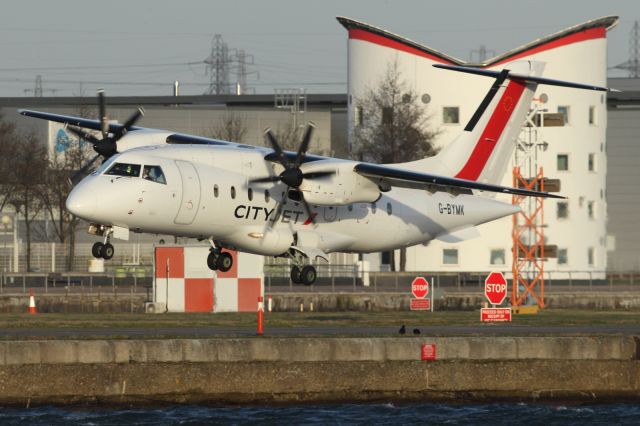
<point x="296" y="275"/>
<point x="308" y="275"/>
<point x="96" y="250"/>
<point x="212" y="261"/>
<point x="107" y="251"/>
<point x="224" y="262"/>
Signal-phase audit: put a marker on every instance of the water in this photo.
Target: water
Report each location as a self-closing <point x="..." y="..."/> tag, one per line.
<point x="389" y="413"/>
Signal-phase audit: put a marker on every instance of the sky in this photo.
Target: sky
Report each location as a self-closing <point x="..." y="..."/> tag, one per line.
<point x="140" y="47"/>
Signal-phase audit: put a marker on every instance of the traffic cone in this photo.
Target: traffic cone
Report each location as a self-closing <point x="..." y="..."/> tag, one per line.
<point x="32" y="303"/>
<point x="260" y="316"/>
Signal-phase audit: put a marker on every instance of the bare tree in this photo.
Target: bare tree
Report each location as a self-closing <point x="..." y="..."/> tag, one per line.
<point x="392" y="127"/>
<point x="61" y="166"/>
<point x="230" y="127"/>
<point x="8" y="145"/>
<point x="28" y="177"/>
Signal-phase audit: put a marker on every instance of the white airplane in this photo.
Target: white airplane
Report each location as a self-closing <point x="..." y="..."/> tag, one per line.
<point x="276" y="203"/>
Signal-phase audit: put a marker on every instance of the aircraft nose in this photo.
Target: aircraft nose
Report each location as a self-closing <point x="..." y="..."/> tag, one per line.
<point x="82" y="201"/>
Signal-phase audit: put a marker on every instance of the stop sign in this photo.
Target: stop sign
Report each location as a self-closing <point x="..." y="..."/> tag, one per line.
<point x="495" y="288"/>
<point x="419" y="287"/>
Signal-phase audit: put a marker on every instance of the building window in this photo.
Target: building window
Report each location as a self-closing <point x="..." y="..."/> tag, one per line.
<point x="233" y="192"/>
<point x="215" y="191"/>
<point x="563" y="257"/>
<point x="590" y="256"/>
<point x="592" y="162"/>
<point x="450" y="256"/>
<point x="564" y="110"/>
<point x="592" y="115"/>
<point x="563" y="162"/>
<point x="497" y="257"/>
<point x="250" y="194"/>
<point x="562" y="210"/>
<point x="451" y="115"/>
<point x="591" y="210"/>
<point x="387" y="115"/>
<point x="373" y="208"/>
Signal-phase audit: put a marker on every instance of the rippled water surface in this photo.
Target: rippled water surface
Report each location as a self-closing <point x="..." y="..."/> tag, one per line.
<point x="463" y="414"/>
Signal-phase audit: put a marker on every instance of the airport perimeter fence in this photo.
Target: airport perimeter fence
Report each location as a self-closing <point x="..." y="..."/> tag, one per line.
<point x="331" y="278"/>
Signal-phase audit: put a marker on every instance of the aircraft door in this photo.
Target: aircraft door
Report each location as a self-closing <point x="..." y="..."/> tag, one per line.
<point x="190" y="193"/>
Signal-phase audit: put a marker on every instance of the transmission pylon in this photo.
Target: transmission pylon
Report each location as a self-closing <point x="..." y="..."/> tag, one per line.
<point x="633" y="64"/>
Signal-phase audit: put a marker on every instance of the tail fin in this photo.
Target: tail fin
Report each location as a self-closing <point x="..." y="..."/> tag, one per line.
<point x="482" y="151"/>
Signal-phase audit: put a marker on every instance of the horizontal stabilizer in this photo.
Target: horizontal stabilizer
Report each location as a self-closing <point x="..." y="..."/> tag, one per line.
<point x="523" y="77"/>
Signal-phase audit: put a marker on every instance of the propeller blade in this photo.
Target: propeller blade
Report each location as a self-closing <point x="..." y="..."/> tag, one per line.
<point x="127" y="125"/>
<point x="278" y="210"/>
<point x="307" y="208"/>
<point x="83" y="135"/>
<point x="77" y="176"/>
<point x="104" y="120"/>
<point x="317" y="175"/>
<point x="265" y="179"/>
<point x="304" y="146"/>
<point x="282" y="159"/>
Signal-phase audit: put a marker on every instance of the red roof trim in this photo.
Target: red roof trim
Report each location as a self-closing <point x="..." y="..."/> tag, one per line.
<point x="360" y="34"/>
<point x="588" y="34"/>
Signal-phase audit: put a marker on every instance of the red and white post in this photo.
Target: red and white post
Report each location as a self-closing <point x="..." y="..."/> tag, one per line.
<point x="260" y="315"/>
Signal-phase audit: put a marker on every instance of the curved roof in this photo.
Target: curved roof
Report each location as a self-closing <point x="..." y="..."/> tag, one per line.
<point x="595" y="28"/>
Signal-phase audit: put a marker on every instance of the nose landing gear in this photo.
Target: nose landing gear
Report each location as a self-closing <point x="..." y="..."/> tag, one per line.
<point x="104" y="250"/>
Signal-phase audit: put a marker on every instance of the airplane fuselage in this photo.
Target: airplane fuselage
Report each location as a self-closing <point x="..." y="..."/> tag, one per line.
<point x="206" y="194"/>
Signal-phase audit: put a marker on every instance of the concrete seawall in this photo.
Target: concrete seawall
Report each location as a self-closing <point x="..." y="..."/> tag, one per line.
<point x="307" y="369"/>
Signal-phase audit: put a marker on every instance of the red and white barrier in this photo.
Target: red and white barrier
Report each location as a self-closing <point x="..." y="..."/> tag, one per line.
<point x="184" y="283"/>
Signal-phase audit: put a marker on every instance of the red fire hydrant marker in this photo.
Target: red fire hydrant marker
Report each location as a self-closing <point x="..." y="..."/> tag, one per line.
<point x="260" y="316"/>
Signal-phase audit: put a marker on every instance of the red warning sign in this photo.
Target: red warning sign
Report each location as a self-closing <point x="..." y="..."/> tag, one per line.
<point x="495" y="314"/>
<point x="495" y="288"/>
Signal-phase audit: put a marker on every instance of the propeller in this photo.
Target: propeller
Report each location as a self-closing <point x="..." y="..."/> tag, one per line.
<point x="106" y="146"/>
<point x="292" y="175"/>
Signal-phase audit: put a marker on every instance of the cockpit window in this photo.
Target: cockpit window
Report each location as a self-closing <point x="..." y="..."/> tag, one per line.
<point x="154" y="174"/>
<point x="124" y="169"/>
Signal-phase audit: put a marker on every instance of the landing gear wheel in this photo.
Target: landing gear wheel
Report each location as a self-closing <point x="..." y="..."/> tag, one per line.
<point x="224" y="262"/>
<point x="107" y="251"/>
<point x="212" y="261"/>
<point x="308" y="275"/>
<point x="296" y="275"/>
<point x="96" y="250"/>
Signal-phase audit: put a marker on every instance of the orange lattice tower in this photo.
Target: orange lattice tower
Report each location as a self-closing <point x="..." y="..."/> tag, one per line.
<point x="528" y="241"/>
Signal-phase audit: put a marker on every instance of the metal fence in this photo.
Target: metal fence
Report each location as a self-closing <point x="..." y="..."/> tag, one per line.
<point x="331" y="278"/>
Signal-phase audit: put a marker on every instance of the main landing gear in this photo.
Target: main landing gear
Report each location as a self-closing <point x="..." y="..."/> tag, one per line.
<point x="219" y="260"/>
<point x="301" y="273"/>
<point x="104" y="250"/>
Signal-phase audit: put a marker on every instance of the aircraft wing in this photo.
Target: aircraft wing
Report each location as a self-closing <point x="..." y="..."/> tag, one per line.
<point x="417" y="180"/>
<point x="74" y="121"/>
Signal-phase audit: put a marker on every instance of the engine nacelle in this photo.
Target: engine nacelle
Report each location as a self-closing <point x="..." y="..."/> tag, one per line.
<point x="138" y="138"/>
<point x="342" y="188"/>
<point x="263" y="241"/>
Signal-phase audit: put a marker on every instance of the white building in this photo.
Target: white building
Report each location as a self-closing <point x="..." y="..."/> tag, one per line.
<point x="574" y="153"/>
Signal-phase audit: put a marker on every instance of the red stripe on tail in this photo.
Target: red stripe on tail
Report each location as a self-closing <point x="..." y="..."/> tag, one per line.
<point x="492" y="132"/>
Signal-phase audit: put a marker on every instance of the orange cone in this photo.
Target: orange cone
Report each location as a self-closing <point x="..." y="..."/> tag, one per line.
<point x="32" y="303"/>
<point x="260" y="316"/>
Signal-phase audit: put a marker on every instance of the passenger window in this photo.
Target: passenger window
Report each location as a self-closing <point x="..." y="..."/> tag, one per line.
<point x="250" y="194"/>
<point x="154" y="174"/>
<point x="389" y="210"/>
<point x="267" y="196"/>
<point x="233" y="192"/>
<point x="373" y="208"/>
<point x="215" y="191"/>
<point x="350" y="207"/>
<point x="124" y="169"/>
